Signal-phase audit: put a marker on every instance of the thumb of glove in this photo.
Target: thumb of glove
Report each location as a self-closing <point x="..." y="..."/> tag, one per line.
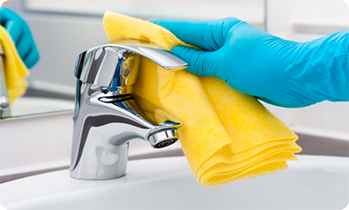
<point x="201" y="62"/>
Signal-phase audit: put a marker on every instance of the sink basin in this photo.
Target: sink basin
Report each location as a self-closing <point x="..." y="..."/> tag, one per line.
<point x="313" y="182"/>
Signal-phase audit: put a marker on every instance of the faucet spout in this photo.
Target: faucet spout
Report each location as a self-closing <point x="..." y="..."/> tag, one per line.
<point x="107" y="117"/>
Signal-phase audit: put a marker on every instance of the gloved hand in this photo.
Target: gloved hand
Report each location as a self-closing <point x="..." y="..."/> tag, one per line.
<point x="21" y="36"/>
<point x="277" y="71"/>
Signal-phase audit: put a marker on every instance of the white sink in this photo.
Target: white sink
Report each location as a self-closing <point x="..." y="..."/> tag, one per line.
<point x="313" y="182"/>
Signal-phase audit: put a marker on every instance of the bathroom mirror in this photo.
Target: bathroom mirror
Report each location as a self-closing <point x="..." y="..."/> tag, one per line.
<point x="64" y="28"/>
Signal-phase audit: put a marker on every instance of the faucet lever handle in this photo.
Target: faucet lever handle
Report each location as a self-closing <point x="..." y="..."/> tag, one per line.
<point x="164" y="58"/>
<point x="112" y="65"/>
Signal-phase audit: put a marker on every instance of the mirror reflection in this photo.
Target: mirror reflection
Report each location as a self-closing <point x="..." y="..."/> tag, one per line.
<point x="62" y="29"/>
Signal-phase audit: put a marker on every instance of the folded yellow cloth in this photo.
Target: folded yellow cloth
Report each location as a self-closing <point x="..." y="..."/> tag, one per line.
<point x="14" y="69"/>
<point x="226" y="135"/>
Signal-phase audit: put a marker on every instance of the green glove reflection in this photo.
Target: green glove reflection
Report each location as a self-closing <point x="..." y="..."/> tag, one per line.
<point x="21" y="36"/>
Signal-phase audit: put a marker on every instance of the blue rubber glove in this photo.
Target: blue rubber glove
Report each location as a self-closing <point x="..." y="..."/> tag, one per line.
<point x="277" y="71"/>
<point x="21" y="36"/>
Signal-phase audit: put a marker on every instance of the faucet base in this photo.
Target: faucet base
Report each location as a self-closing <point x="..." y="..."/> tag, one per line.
<point x="105" y="164"/>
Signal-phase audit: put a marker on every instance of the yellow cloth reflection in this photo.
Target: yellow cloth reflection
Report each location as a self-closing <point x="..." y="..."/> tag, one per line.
<point x="14" y="69"/>
<point x="226" y="135"/>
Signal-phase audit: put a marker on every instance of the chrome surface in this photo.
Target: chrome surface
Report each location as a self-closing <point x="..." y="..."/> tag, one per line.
<point x="120" y="62"/>
<point x="106" y="116"/>
<point x="163" y="139"/>
<point x="4" y="99"/>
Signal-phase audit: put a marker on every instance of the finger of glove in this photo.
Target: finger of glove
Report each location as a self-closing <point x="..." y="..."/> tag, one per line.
<point x="3" y="15"/>
<point x="32" y="58"/>
<point x="25" y="45"/>
<point x="200" y="62"/>
<point x="15" y="30"/>
<point x="208" y="35"/>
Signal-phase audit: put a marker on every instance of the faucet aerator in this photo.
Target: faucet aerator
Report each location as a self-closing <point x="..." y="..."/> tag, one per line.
<point x="163" y="139"/>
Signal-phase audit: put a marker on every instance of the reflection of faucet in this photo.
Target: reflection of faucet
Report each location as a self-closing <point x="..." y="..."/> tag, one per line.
<point x="4" y="99"/>
<point x="107" y="116"/>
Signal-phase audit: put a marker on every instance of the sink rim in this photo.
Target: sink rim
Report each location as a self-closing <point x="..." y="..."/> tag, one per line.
<point x="136" y="178"/>
<point x="302" y="162"/>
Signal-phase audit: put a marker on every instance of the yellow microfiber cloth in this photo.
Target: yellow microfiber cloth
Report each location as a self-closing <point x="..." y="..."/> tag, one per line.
<point x="226" y="135"/>
<point x="14" y="69"/>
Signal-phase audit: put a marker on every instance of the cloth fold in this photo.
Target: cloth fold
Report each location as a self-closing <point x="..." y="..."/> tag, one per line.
<point x="226" y="135"/>
<point x="13" y="67"/>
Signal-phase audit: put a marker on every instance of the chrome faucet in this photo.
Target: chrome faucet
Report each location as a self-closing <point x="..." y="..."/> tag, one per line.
<point x="5" y="110"/>
<point x="106" y="115"/>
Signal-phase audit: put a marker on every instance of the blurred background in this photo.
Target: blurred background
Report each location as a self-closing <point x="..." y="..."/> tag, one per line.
<point x="64" y="28"/>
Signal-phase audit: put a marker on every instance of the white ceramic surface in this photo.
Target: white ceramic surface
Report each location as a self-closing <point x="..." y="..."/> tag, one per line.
<point x="313" y="182"/>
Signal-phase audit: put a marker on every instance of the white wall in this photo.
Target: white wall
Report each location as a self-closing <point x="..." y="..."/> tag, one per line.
<point x="248" y="10"/>
<point x="304" y="20"/>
